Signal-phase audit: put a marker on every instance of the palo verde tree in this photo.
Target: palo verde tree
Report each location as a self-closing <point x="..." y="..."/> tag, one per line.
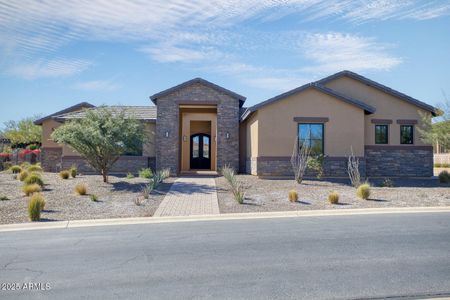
<point x="23" y="132"/>
<point x="102" y="136"/>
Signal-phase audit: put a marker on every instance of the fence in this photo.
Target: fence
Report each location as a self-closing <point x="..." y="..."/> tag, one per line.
<point x="443" y="158"/>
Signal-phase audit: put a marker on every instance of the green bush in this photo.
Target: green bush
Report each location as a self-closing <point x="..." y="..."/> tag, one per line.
<point x="35" y="206"/>
<point x="444" y="177"/>
<point x="22" y="175"/>
<point x="93" y="197"/>
<point x="315" y="163"/>
<point x="293" y="196"/>
<point x="34" y="168"/>
<point x="15" y="169"/>
<point x="34" y="178"/>
<point x="130" y="175"/>
<point x="145" y="173"/>
<point x="333" y="197"/>
<point x="73" y="171"/>
<point x="30" y="189"/>
<point x="387" y="182"/>
<point x="363" y="191"/>
<point x="64" y="174"/>
<point x="81" y="189"/>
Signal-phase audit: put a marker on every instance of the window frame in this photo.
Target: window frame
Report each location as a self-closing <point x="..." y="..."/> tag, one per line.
<point x="322" y="137"/>
<point x="387" y="134"/>
<point x="412" y="134"/>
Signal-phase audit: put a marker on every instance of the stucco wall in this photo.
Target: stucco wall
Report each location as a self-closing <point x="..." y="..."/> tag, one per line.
<point x="387" y="107"/>
<point x="48" y="126"/>
<point x="277" y="129"/>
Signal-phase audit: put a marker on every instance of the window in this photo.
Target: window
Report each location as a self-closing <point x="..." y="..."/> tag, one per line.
<point x="406" y="134"/>
<point x="381" y="134"/>
<point x="312" y="135"/>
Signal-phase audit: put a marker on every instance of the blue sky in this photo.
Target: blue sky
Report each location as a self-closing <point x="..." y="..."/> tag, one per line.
<point x="54" y="54"/>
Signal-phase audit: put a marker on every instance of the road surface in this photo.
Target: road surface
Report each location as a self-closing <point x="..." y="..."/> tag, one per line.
<point x="330" y="257"/>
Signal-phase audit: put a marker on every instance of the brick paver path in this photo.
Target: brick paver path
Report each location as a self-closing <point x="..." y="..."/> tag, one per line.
<point x="190" y="196"/>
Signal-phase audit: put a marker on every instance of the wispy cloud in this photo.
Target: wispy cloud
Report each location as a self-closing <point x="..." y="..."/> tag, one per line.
<point x="336" y="51"/>
<point x="49" y="68"/>
<point x="277" y="84"/>
<point x="96" y="85"/>
<point x="172" y="53"/>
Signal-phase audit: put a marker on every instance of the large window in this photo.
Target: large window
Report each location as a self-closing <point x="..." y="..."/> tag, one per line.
<point x="311" y="135"/>
<point x="381" y="134"/>
<point x="406" y="134"/>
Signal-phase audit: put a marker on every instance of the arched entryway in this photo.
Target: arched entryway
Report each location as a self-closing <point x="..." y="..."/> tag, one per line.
<point x="200" y="152"/>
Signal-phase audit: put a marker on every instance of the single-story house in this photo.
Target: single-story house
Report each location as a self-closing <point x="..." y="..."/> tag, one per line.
<point x="198" y="125"/>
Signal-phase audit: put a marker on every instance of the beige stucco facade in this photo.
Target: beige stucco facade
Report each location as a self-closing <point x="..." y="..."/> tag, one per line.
<point x="387" y="106"/>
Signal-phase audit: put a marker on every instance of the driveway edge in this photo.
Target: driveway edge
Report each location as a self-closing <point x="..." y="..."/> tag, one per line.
<point x="221" y="217"/>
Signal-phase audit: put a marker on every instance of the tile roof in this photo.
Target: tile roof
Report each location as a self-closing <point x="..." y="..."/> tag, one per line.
<point x="145" y="113"/>
<point x="64" y="111"/>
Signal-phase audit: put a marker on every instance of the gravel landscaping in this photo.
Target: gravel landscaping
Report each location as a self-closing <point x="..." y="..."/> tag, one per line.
<point x="272" y="195"/>
<point x="116" y="199"/>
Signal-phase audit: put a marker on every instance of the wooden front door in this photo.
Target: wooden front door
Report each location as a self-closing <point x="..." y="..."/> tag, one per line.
<point x="200" y="154"/>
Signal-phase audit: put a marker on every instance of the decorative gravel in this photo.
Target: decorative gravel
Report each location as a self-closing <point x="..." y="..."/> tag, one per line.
<point x="272" y="195"/>
<point x="115" y="199"/>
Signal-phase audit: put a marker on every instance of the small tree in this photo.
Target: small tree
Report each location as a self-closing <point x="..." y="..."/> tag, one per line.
<point x="23" y="131"/>
<point x="101" y="136"/>
<point x="299" y="159"/>
<point x="438" y="132"/>
<point x="353" y="169"/>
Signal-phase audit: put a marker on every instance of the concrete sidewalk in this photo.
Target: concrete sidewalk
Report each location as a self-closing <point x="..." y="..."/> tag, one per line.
<point x="190" y="196"/>
<point x="220" y="217"/>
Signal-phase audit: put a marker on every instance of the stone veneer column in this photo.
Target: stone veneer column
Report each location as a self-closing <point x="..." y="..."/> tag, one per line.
<point x="168" y="148"/>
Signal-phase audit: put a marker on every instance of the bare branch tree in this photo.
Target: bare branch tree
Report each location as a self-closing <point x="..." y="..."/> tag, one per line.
<point x="353" y="169"/>
<point x="299" y="159"/>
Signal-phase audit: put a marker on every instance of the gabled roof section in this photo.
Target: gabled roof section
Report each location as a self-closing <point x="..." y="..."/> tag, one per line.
<point x="207" y="83"/>
<point x="367" y="108"/>
<point x="64" y="111"/>
<point x="143" y="113"/>
<point x="380" y="87"/>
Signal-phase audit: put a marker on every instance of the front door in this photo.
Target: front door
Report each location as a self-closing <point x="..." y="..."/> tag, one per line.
<point x="200" y="151"/>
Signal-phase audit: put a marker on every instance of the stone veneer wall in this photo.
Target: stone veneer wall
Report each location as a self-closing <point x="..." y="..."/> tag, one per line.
<point x="124" y="165"/>
<point x="399" y="161"/>
<point x="281" y="166"/>
<point x="168" y="148"/>
<point x="51" y="159"/>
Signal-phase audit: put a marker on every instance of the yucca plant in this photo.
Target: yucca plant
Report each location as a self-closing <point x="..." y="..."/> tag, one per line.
<point x="237" y="187"/>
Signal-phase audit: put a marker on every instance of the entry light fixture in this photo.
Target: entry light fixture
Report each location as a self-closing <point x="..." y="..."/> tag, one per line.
<point x="167" y="134"/>
<point x="227" y="135"/>
<point x="184" y="138"/>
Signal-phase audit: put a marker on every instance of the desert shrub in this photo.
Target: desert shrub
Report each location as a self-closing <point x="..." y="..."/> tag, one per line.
<point x="81" y="189"/>
<point x="64" y="174"/>
<point x="146" y="191"/>
<point x="3" y="198"/>
<point x="158" y="178"/>
<point x="165" y="173"/>
<point x="333" y="197"/>
<point x="315" y="163"/>
<point x="441" y="165"/>
<point x="387" y="182"/>
<point x="25" y="165"/>
<point x="237" y="188"/>
<point x="34" y="168"/>
<point x="35" y="206"/>
<point x="444" y="177"/>
<point x="293" y="196"/>
<point x="139" y="200"/>
<point x="34" y="178"/>
<point x="30" y="189"/>
<point x="73" y="171"/>
<point x="363" y="191"/>
<point x="15" y="169"/>
<point x="22" y="175"/>
<point x="93" y="198"/>
<point x="145" y="173"/>
<point x="130" y="175"/>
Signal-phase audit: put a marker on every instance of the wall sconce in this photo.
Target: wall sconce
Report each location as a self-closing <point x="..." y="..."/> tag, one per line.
<point x="227" y="135"/>
<point x="184" y="138"/>
<point x="167" y="134"/>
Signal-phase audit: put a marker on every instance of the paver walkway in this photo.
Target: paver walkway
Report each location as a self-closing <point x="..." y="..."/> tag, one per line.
<point x="190" y="196"/>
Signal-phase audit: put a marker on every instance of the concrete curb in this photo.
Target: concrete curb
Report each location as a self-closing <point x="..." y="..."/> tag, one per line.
<point x="221" y="217"/>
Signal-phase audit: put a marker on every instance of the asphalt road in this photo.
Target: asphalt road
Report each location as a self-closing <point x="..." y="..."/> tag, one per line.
<point x="333" y="257"/>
